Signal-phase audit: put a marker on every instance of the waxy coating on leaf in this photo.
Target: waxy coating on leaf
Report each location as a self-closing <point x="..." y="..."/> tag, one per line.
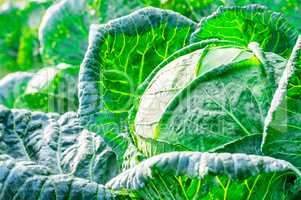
<point x="282" y="129"/>
<point x="197" y="102"/>
<point x="56" y="142"/>
<point x="26" y="180"/>
<point x="187" y="175"/>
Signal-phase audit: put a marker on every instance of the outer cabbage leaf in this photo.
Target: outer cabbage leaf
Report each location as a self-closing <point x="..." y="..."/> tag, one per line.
<point x="56" y="142"/>
<point x="197" y="102"/>
<point x="12" y="86"/>
<point x="52" y="89"/>
<point x="290" y="8"/>
<point x="121" y="54"/>
<point x="65" y="25"/>
<point x="28" y="180"/>
<point x="18" y="40"/>
<point x="64" y="29"/>
<point x="282" y="131"/>
<point x="47" y="156"/>
<point x="252" y="23"/>
<point x="194" y="175"/>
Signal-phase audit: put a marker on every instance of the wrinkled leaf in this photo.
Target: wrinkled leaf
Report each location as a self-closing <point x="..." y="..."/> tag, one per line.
<point x="123" y="52"/>
<point x="194" y="175"/>
<point x="28" y="180"/>
<point x="56" y="142"/>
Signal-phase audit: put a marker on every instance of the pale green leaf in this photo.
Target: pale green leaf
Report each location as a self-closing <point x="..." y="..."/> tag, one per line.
<point x="63" y="32"/>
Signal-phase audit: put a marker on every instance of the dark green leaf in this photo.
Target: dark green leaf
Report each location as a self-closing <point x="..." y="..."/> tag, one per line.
<point x="56" y="142"/>
<point x="27" y="180"/>
<point x="250" y="144"/>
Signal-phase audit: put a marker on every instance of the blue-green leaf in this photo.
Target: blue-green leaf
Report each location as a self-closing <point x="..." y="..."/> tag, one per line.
<point x="56" y="142"/>
<point x="195" y="175"/>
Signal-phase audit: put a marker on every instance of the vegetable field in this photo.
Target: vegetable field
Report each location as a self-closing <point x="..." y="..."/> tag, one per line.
<point x="150" y="99"/>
